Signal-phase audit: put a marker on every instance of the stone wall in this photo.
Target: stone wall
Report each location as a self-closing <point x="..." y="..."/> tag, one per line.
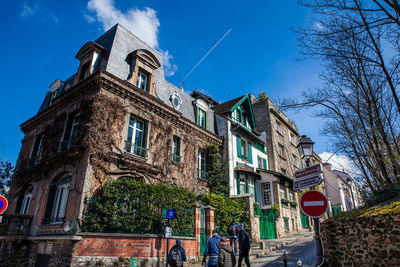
<point x="362" y="241"/>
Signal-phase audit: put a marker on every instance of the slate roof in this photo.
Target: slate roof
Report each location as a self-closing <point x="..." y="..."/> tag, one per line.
<point x="227" y="106"/>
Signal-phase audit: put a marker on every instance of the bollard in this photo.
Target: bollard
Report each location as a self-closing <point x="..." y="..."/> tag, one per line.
<point x="284" y="258"/>
<point x="299" y="263"/>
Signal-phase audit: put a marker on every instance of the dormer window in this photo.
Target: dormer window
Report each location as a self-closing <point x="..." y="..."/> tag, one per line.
<point x="143" y="66"/>
<point x="89" y="56"/>
<point x="142" y="80"/>
<point x="201" y="117"/>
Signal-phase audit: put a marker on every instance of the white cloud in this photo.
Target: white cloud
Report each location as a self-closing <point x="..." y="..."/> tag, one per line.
<point x="35" y="8"/>
<point x="320" y="26"/>
<point x="340" y="162"/>
<point x="144" y="23"/>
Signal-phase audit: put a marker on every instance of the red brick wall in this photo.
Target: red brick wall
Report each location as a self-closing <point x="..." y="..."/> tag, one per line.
<point x="114" y="245"/>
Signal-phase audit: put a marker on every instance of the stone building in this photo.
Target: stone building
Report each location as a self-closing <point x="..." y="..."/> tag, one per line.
<point x="116" y="117"/>
<point x="284" y="159"/>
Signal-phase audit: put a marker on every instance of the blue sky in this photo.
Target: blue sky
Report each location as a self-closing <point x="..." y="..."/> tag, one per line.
<point x="41" y="38"/>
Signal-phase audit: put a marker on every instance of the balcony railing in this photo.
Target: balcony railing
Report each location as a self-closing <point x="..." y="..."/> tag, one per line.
<point x="53" y="220"/>
<point x="135" y="150"/>
<point x="245" y="165"/>
<point x="15" y="224"/>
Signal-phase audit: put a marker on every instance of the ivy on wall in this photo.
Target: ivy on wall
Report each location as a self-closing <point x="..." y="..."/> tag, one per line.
<point x="129" y="206"/>
<point x="218" y="184"/>
<point x="226" y="209"/>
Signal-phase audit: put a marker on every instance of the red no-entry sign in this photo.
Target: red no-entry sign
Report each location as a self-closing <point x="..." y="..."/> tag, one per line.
<point x="313" y="204"/>
<point x="3" y="204"/>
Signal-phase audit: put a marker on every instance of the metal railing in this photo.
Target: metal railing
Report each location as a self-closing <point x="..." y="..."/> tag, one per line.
<point x="15" y="224"/>
<point x="245" y="165"/>
<point x="135" y="150"/>
<point x="53" y="220"/>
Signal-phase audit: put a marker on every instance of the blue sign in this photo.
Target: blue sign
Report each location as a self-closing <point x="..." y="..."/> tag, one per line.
<point x="171" y="214"/>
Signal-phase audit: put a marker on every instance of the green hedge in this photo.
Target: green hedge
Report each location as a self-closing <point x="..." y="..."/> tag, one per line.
<point x="225" y="210"/>
<point x="129" y="206"/>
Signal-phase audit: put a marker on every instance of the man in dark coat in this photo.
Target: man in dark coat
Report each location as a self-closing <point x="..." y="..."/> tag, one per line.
<point x="244" y="245"/>
<point x="176" y="255"/>
<point x="233" y="234"/>
<point x="226" y="257"/>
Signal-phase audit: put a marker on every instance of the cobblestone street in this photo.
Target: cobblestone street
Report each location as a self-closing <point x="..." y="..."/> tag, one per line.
<point x="303" y="250"/>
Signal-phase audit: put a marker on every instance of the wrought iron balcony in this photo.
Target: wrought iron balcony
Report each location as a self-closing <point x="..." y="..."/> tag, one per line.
<point x="15" y="224"/>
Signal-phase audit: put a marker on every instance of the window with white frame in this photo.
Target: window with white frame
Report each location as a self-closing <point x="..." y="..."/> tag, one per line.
<point x="242" y="184"/>
<point x="291" y="198"/>
<point x="266" y="193"/>
<point x="26" y="202"/>
<point x="280" y="150"/>
<point x="143" y="79"/>
<point x="295" y="160"/>
<point x="202" y="163"/>
<point x="136" y="140"/>
<point x="279" y="127"/>
<point x="176" y="150"/>
<point x="282" y="192"/>
<point x="243" y="148"/>
<point x="252" y="189"/>
<point x="71" y="131"/>
<point x="57" y="200"/>
<point x="201" y="117"/>
<point x="37" y="148"/>
<point x="291" y="138"/>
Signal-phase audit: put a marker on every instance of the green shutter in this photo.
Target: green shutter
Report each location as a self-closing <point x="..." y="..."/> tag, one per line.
<point x="197" y="115"/>
<point x="239" y="148"/>
<point x="238" y="184"/>
<point x="247" y="184"/>
<point x="250" y="153"/>
<point x="50" y="203"/>
<point x="265" y="164"/>
<point x="255" y="189"/>
<point x="206" y="120"/>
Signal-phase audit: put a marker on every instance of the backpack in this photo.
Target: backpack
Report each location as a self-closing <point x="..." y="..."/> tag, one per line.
<point x="176" y="258"/>
<point x="232" y="229"/>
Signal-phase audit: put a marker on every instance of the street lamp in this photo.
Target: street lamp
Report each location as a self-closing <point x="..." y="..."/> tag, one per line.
<point x="305" y="148"/>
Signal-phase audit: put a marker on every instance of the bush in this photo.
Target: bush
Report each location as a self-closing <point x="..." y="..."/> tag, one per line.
<point x="130" y="206"/>
<point x="226" y="209"/>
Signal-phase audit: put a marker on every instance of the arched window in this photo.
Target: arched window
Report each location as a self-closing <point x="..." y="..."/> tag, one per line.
<point x="57" y="200"/>
<point x="24" y="201"/>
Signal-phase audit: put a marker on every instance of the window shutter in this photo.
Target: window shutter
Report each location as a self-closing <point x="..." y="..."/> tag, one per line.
<point x="247" y="184"/>
<point x="50" y="203"/>
<point x="239" y="148"/>
<point x="206" y="120"/>
<point x="144" y="145"/>
<point x="265" y="164"/>
<point x="250" y="153"/>
<point x="197" y="115"/>
<point x="238" y="184"/>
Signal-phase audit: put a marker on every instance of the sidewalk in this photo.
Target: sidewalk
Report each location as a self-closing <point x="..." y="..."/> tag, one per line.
<point x="265" y="247"/>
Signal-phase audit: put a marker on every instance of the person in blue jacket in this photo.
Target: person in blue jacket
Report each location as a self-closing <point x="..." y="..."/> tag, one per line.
<point x="212" y="249"/>
<point x="176" y="255"/>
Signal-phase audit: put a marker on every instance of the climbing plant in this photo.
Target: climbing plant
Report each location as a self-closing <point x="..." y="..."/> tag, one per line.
<point x="130" y="206"/>
<point x="218" y="184"/>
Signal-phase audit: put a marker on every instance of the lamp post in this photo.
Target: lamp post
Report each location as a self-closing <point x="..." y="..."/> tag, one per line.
<point x="305" y="147"/>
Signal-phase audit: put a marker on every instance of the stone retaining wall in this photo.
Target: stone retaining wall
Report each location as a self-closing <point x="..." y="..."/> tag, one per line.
<point x="362" y="241"/>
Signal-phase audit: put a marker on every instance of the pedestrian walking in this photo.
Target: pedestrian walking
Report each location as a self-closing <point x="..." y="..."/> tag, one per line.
<point x="226" y="257"/>
<point x="244" y="245"/>
<point x="176" y="255"/>
<point x="232" y="232"/>
<point x="212" y="249"/>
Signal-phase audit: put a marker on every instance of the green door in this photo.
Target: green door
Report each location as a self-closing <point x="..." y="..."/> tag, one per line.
<point x="303" y="218"/>
<point x="203" y="237"/>
<point x="267" y="224"/>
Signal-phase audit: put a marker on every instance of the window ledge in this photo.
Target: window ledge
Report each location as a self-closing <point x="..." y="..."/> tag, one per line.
<point x="135" y="156"/>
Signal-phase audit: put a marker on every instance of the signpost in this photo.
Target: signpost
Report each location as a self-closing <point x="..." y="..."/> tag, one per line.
<point x="3" y="204"/>
<point x="171" y="214"/>
<point x="307" y="182"/>
<point x="313" y="203"/>
<point x="307" y="172"/>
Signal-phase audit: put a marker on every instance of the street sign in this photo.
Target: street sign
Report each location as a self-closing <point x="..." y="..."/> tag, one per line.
<point x="168" y="232"/>
<point x="306" y="172"/>
<point x="3" y="204"/>
<point x="313" y="204"/>
<point x="171" y="214"/>
<point x="307" y="182"/>
<point x="164" y="213"/>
